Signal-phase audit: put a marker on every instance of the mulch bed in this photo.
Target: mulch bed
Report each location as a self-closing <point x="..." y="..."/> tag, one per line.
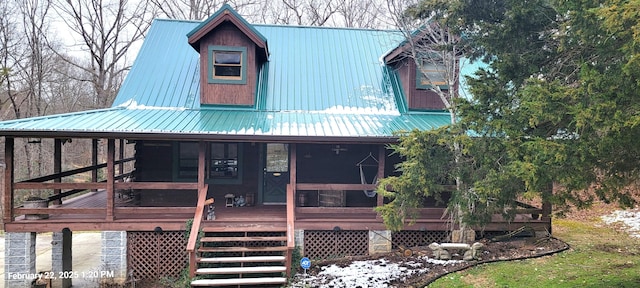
<point x="517" y="248"/>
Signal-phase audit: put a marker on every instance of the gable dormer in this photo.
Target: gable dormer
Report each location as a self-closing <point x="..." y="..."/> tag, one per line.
<point x="231" y="53"/>
<point x="417" y="80"/>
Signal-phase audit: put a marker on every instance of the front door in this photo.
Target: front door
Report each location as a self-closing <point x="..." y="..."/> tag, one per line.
<point x="276" y="173"/>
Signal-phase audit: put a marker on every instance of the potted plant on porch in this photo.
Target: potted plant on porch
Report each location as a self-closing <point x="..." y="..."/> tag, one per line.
<point x="34" y="201"/>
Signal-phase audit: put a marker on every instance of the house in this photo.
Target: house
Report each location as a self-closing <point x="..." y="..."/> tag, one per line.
<point x="264" y="137"/>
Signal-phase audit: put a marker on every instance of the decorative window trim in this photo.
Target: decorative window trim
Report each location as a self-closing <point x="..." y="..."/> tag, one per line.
<point x="213" y="79"/>
<point x="422" y="82"/>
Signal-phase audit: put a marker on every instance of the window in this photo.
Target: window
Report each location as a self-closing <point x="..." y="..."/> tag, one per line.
<point x="227" y="64"/>
<point x="224" y="160"/>
<point x="188" y="160"/>
<point x="431" y="72"/>
<point x="221" y="162"/>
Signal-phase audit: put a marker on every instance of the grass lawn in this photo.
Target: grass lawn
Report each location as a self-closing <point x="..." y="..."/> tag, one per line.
<point x="600" y="256"/>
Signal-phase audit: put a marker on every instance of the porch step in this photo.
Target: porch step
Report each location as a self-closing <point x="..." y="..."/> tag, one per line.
<point x="242" y="239"/>
<point x="236" y="258"/>
<point x="238" y="281"/>
<point x="241" y="270"/>
<point x="248" y="259"/>
<point x="254" y="226"/>
<point x="243" y="249"/>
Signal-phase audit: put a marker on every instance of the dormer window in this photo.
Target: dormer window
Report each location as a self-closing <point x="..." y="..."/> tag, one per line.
<point x="227" y="65"/>
<point x="431" y="72"/>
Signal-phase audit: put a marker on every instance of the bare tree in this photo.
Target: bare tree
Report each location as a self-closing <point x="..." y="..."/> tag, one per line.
<point x="362" y="13"/>
<point x="432" y="46"/>
<point x="26" y="71"/>
<point x="200" y="9"/>
<point x="69" y="92"/>
<point x="107" y="30"/>
<point x="300" y="12"/>
<point x="9" y="55"/>
<point x="34" y="71"/>
<point x="336" y="13"/>
<point x="429" y="41"/>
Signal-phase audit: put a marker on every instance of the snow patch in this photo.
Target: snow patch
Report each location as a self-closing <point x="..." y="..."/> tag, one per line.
<point x="379" y="273"/>
<point x="630" y="219"/>
<point x="131" y="104"/>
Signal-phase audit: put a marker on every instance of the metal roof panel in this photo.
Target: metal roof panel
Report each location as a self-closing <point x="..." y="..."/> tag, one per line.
<point x="318" y="82"/>
<point x="136" y="121"/>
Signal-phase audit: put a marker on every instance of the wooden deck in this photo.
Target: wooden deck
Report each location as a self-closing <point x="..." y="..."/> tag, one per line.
<point x="88" y="213"/>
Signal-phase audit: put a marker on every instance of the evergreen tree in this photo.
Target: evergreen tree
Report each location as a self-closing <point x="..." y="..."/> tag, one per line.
<point x="557" y="103"/>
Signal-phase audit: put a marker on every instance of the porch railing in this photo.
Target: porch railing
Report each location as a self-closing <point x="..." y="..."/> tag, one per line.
<point x="195" y="229"/>
<point x="103" y="210"/>
<point x="428" y="217"/>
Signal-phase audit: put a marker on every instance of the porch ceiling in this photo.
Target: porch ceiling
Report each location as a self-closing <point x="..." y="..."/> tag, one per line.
<point x="216" y="124"/>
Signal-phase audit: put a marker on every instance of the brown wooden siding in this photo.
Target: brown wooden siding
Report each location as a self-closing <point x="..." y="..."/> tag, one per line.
<point x="417" y="99"/>
<point x="227" y="34"/>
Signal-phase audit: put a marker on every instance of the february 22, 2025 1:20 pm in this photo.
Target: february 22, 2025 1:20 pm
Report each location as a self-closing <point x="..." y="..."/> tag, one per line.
<point x="48" y="275"/>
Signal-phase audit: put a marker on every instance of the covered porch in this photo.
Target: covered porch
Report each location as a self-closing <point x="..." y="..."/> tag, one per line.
<point x="308" y="189"/>
<point x="307" y="192"/>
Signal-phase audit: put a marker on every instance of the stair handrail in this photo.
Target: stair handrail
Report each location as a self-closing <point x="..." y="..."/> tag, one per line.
<point x="195" y="229"/>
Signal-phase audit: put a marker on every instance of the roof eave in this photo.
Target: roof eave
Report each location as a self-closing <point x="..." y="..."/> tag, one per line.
<point x="201" y="137"/>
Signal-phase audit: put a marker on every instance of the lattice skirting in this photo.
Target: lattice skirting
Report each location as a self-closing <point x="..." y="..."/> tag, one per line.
<point x="410" y="239"/>
<point x="335" y="243"/>
<point x="152" y="255"/>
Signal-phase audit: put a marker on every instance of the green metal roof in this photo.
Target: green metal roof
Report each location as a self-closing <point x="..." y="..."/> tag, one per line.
<point x="226" y="124"/>
<point x="327" y="83"/>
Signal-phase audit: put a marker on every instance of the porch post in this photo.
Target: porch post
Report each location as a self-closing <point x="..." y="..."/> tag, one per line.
<point x="110" y="179"/>
<point x="61" y="257"/>
<point x="121" y="156"/>
<point x="293" y="168"/>
<point x="8" y="180"/>
<point x="57" y="167"/>
<point x="381" y="159"/>
<point x="201" y="161"/>
<point x="94" y="161"/>
<point x="291" y="206"/>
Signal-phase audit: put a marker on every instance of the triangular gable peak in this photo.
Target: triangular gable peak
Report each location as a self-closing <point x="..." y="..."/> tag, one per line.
<point x="419" y="37"/>
<point x="227" y="14"/>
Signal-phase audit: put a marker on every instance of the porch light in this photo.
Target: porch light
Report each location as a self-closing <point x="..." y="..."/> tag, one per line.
<point x="338" y="149"/>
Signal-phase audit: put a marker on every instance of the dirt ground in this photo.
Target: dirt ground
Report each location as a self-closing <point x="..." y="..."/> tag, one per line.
<point x="423" y="270"/>
<point x="86" y="257"/>
<point x="509" y="249"/>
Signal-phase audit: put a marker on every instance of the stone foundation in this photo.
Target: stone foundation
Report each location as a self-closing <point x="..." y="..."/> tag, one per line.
<point x="114" y="255"/>
<point x="379" y="242"/>
<point x="20" y="259"/>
